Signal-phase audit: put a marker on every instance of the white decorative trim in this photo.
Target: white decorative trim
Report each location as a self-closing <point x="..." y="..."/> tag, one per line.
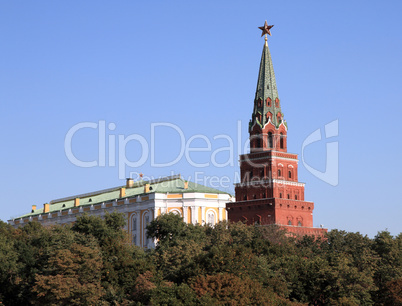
<point x="283" y="182"/>
<point x="269" y="157"/>
<point x="269" y="122"/>
<point x="268" y="181"/>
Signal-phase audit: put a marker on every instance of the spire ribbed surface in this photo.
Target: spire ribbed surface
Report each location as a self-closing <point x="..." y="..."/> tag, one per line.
<point x="266" y="90"/>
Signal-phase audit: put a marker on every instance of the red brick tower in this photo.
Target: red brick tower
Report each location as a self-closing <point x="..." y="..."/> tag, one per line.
<point x="269" y="191"/>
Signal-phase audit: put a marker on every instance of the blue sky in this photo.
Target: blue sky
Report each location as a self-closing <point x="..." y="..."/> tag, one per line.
<point x="195" y="65"/>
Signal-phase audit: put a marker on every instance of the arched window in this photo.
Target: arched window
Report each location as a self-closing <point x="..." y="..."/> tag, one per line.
<point x="211" y="217"/>
<point x="290" y="174"/>
<point x="269" y="116"/>
<point x="245" y="197"/>
<point x="264" y="195"/>
<point x="295" y="196"/>
<point x="176" y="212"/>
<point x="290" y="222"/>
<point x="134" y="229"/>
<point x="279" y="173"/>
<point x="251" y="174"/>
<point x="145" y="221"/>
<point x="299" y="223"/>
<point x="270" y="140"/>
<point x="288" y="196"/>
<point x="281" y="142"/>
<point x="254" y="196"/>
<point x="280" y="195"/>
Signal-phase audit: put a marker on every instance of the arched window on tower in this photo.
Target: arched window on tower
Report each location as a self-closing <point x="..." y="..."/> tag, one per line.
<point x="281" y="144"/>
<point x="258" y="140"/>
<point x="290" y="174"/>
<point x="279" y="173"/>
<point x="299" y="223"/>
<point x="270" y="140"/>
<point x="290" y="222"/>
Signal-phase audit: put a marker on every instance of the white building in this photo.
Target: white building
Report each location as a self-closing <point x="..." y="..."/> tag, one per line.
<point x="141" y="202"/>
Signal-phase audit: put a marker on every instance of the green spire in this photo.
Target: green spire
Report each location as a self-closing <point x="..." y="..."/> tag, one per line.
<point x="266" y="96"/>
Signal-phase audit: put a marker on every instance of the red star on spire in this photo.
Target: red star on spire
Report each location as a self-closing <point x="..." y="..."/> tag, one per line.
<point x="266" y="29"/>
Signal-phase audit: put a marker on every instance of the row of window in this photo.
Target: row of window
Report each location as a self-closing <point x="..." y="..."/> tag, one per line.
<point x="270" y="141"/>
<point x="211" y="216"/>
<point x="298" y="223"/>
<point x="135" y="230"/>
<point x="268" y="102"/>
<point x="262" y="175"/>
<point x="288" y="196"/>
<point x="289" y="173"/>
<point x="288" y="206"/>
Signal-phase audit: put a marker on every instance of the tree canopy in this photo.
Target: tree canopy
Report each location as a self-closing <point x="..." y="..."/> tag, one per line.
<point x="93" y="263"/>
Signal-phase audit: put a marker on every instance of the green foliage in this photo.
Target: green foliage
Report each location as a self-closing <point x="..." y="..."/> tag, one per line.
<point x="229" y="289"/>
<point x="72" y="276"/>
<point x="93" y="263"/>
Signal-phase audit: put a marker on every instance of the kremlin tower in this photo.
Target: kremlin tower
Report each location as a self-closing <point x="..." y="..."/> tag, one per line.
<point x="269" y="191"/>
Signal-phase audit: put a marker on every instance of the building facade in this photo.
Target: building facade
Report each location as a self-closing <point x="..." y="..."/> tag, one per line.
<point x="141" y="202"/>
<point x="269" y="191"/>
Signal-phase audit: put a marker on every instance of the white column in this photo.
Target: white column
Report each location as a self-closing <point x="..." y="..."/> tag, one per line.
<point x="220" y="210"/>
<point x="194" y="214"/>
<point x="185" y="214"/>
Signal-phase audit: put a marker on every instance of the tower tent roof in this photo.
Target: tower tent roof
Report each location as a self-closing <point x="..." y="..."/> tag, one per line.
<point x="266" y="85"/>
<point x="266" y="102"/>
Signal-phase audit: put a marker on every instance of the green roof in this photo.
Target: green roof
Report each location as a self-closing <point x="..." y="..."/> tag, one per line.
<point x="266" y="88"/>
<point x="174" y="184"/>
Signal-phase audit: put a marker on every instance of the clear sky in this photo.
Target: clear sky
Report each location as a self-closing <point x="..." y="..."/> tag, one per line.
<point x="194" y="65"/>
